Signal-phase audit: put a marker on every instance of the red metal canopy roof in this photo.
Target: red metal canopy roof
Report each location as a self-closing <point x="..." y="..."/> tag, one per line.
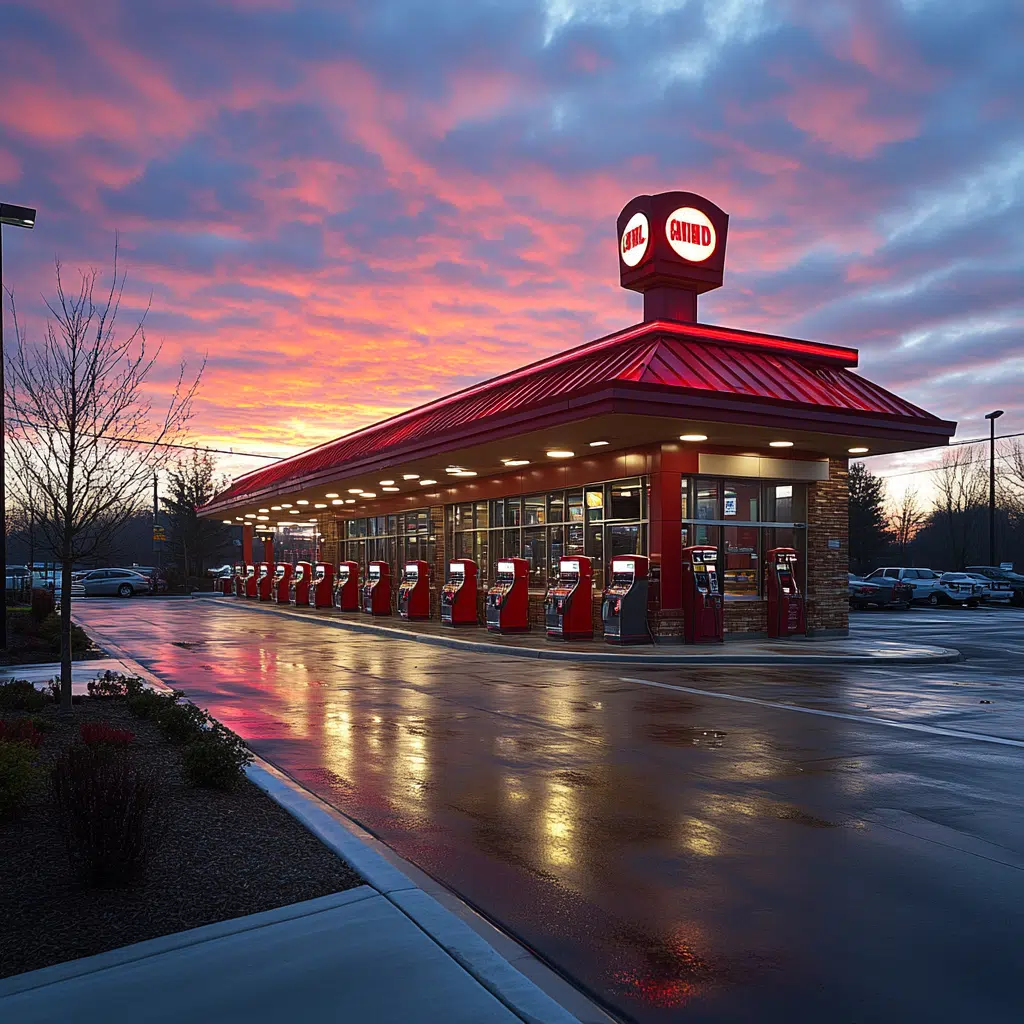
<point x="691" y="358"/>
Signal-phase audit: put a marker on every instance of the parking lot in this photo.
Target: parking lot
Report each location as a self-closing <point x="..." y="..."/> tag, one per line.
<point x="682" y="856"/>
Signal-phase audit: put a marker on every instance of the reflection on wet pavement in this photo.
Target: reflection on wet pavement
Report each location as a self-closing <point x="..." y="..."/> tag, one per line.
<point x="682" y="858"/>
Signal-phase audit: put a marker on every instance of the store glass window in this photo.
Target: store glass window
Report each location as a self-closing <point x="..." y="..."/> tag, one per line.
<point x="624" y="540"/>
<point x="556" y="507"/>
<point x="535" y="553"/>
<point x="785" y="503"/>
<point x="574" y="502"/>
<point x="594" y="501"/>
<point x="740" y="563"/>
<point x="707" y="503"/>
<point x="740" y="500"/>
<point x="534" y="510"/>
<point x="625" y="500"/>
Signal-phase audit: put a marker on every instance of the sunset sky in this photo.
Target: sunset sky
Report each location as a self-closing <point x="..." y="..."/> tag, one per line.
<point x="356" y="207"/>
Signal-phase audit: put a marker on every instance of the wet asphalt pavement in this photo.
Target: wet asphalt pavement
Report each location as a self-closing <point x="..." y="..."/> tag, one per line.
<point x="683" y="857"/>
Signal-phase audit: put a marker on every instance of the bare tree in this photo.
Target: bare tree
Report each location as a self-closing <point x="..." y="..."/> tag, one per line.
<point x="192" y="482"/>
<point x="905" y="519"/>
<point x="83" y="433"/>
<point x="960" y="483"/>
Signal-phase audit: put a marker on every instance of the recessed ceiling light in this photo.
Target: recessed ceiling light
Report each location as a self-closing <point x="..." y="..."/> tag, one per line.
<point x="355" y="490"/>
<point x="337" y="501"/>
<point x="286" y="504"/>
<point x="350" y="501"/>
<point x="410" y="476"/>
<point x="368" y="494"/>
<point x="333" y="494"/>
<point x="389" y="488"/>
<point x="780" y="444"/>
<point x="454" y="470"/>
<point x="263" y="518"/>
<point x="386" y="483"/>
<point x="320" y="504"/>
<point x="858" y="451"/>
<point x="250" y="515"/>
<point x="516" y="462"/>
<point x="294" y="512"/>
<point x="238" y="518"/>
<point x="561" y="453"/>
<point x="302" y="501"/>
<point x="427" y="483"/>
<point x="599" y="444"/>
<point x="227" y="522"/>
<point x="275" y="508"/>
<point x="693" y="437"/>
<point x="263" y="510"/>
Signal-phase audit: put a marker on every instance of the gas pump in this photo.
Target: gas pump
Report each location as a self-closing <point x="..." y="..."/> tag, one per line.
<point x="265" y="581"/>
<point x="298" y="589"/>
<point x="282" y="582"/>
<point x="786" y="612"/>
<point x="251" y="574"/>
<point x="239" y="579"/>
<point x="507" y="606"/>
<point x="376" y="591"/>
<point x="568" y="604"/>
<point x="227" y="584"/>
<point x="458" y="595"/>
<point x="414" y="591"/>
<point x="702" y="602"/>
<point x="321" y="586"/>
<point x="624" y="608"/>
<point x="346" y="587"/>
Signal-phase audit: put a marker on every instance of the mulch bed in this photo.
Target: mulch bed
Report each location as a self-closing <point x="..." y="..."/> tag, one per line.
<point x="30" y="643"/>
<point x="222" y="855"/>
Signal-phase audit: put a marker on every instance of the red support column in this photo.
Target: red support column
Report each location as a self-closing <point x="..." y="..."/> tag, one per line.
<point x="665" y="515"/>
<point x="268" y="548"/>
<point x="247" y="558"/>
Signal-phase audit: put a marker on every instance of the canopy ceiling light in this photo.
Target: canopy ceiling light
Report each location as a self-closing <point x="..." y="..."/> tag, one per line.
<point x="560" y="453"/>
<point x="858" y="451"/>
<point x="693" y="437"/>
<point x="780" y="444"/>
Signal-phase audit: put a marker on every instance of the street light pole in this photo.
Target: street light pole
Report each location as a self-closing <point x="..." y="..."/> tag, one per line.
<point x="22" y="217"/>
<point x="992" y="417"/>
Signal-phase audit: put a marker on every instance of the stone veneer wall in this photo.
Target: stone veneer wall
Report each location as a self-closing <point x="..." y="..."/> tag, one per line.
<point x="828" y="511"/>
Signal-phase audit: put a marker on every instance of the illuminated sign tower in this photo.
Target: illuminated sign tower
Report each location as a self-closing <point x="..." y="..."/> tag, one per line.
<point x="671" y="248"/>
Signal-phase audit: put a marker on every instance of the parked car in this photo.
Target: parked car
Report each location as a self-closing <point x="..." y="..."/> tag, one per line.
<point x="220" y="571"/>
<point x="881" y="593"/>
<point x="1014" y="579"/>
<point x="992" y="591"/>
<point x="921" y="581"/>
<point x="153" y="574"/>
<point x="110" y="583"/>
<point x="956" y="588"/>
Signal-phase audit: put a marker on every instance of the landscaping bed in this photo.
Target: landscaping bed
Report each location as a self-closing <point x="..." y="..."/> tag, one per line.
<point x="32" y="640"/>
<point x="217" y="853"/>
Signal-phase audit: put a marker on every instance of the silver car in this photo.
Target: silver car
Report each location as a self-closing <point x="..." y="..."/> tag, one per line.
<point x="111" y="583"/>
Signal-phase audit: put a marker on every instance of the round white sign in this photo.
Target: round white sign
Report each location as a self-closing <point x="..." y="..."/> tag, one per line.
<point x="690" y="234"/>
<point x="635" y="237"/>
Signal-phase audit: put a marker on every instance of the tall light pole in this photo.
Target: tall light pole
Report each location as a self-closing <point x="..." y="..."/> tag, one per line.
<point x="20" y="217"/>
<point x="992" y="417"/>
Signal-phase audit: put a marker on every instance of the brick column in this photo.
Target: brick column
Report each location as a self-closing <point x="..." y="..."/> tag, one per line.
<point x="440" y="564"/>
<point x="828" y="549"/>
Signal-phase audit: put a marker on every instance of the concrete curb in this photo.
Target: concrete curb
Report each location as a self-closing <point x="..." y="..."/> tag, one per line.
<point x="354" y="845"/>
<point x="915" y="655"/>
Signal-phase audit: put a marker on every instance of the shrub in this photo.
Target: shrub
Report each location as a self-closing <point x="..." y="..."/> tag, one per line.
<point x="18" y="776"/>
<point x="181" y="723"/>
<point x="21" y="695"/>
<point x="110" y="813"/>
<point x="217" y="759"/>
<point x="150" y="704"/>
<point x="113" y="684"/>
<point x="95" y="733"/>
<point x="42" y="604"/>
<point x="42" y="724"/>
<point x="22" y="730"/>
<point x="49" y="631"/>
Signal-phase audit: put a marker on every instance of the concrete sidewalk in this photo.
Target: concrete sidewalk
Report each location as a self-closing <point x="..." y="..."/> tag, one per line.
<point x="351" y="956"/>
<point x="793" y="651"/>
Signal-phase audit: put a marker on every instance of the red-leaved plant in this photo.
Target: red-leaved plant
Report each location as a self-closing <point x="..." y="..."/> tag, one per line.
<point x="95" y="733"/>
<point x="20" y="731"/>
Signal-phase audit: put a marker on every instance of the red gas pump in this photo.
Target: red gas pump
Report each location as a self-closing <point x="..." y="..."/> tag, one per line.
<point x="251" y="575"/>
<point x="376" y="591"/>
<point x="281" y="586"/>
<point x="568" y="604"/>
<point x="702" y="602"/>
<point x="624" y="604"/>
<point x="458" y="595"/>
<point x="265" y="581"/>
<point x="239" y="579"/>
<point x="346" y="587"/>
<point x="507" y="606"/>
<point x="226" y="585"/>
<point x="321" y="587"/>
<point x="786" y="612"/>
<point x="298" y="589"/>
<point x="414" y="591"/>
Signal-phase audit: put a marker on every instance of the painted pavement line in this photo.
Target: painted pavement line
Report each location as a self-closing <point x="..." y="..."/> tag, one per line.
<point x="933" y="730"/>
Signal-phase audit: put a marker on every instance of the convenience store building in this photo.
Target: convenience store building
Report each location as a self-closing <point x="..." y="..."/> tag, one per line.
<point x="665" y="434"/>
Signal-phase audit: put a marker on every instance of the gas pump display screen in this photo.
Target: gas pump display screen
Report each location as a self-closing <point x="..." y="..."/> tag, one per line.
<point x="374" y="572"/>
<point x="569" y="565"/>
<point x="412" y="572"/>
<point x="507" y="567"/>
<point x="343" y="572"/>
<point x="623" y="565"/>
<point x="457" y="569"/>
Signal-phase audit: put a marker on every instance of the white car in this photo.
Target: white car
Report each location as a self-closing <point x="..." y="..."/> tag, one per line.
<point x="957" y="588"/>
<point x="922" y="582"/>
<point x="993" y="591"/>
